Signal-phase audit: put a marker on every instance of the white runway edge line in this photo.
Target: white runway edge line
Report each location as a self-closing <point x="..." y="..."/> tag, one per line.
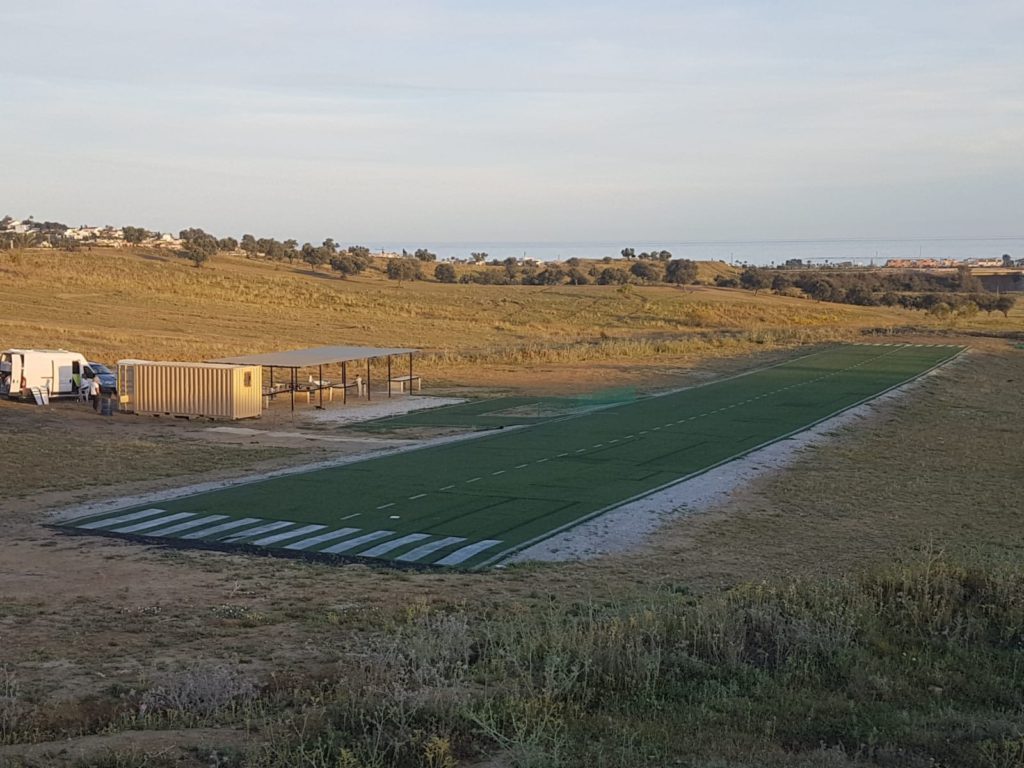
<point x="511" y="551"/>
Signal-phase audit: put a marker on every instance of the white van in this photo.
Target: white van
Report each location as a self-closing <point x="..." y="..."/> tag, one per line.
<point x="57" y="371"/>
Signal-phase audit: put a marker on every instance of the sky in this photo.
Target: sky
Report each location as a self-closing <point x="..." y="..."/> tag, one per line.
<point x="517" y="121"/>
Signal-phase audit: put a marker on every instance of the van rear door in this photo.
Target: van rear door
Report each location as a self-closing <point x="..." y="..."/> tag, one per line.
<point x="12" y="366"/>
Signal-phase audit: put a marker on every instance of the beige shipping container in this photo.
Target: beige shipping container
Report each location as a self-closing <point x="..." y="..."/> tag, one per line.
<point x="211" y="390"/>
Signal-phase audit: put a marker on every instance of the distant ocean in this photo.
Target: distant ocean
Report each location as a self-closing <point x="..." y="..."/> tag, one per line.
<point x="760" y="252"/>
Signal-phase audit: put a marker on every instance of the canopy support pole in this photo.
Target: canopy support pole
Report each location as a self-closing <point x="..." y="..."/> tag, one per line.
<point x="389" y="376"/>
<point x="320" y="385"/>
<point x="367" y="378"/>
<point x="294" y="374"/>
<point x="344" y="383"/>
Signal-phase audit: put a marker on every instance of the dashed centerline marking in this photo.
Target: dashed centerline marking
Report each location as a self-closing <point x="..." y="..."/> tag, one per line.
<point x="473" y="480"/>
<point x="417" y="496"/>
<point x="499" y="472"/>
<point x="385" y="506"/>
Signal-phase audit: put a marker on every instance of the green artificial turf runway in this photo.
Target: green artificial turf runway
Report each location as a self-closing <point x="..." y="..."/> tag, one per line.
<point x="472" y="502"/>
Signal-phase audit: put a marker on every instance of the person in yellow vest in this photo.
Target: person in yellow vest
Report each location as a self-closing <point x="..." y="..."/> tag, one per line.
<point x="78" y="385"/>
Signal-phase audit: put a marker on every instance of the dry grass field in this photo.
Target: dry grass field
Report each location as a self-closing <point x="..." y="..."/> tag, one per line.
<point x="860" y="607"/>
<point x="121" y="303"/>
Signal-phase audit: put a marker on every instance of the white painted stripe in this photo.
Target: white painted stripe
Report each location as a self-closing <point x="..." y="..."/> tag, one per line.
<point x="473" y="480"/>
<point x="428" y="549"/>
<point x="122" y="518"/>
<point x="499" y="472"/>
<point x="520" y="466"/>
<point x="262" y="529"/>
<point x="307" y="543"/>
<point x="385" y="506"/>
<point x="288" y="535"/>
<point x="185" y="526"/>
<point x="353" y="543"/>
<point x="222" y="527"/>
<point x="349" y="517"/>
<point x="154" y="523"/>
<point x="449" y="487"/>
<point x="417" y="496"/>
<point x="387" y="546"/>
<point x="461" y="555"/>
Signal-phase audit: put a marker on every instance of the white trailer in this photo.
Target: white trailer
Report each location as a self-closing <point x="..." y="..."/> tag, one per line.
<point x="55" y="372"/>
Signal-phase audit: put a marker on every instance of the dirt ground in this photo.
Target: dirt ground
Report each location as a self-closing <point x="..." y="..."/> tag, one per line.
<point x="81" y="614"/>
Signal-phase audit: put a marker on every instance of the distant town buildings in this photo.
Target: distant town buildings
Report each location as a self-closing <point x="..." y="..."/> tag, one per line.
<point x="941" y="263"/>
<point x="51" y="234"/>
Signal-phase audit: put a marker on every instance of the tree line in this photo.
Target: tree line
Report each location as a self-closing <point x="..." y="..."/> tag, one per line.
<point x="959" y="292"/>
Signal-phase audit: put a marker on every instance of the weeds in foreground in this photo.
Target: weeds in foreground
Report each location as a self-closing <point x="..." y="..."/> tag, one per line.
<point x="916" y="665"/>
<point x="12" y="709"/>
<point x="197" y="693"/>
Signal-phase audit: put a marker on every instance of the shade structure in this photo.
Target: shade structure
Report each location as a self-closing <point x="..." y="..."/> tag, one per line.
<point x="319" y="357"/>
<point x="306" y="358"/>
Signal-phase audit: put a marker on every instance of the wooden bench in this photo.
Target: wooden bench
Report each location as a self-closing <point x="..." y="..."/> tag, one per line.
<point x="357" y="384"/>
<point x="313" y="388"/>
<point x="401" y="381"/>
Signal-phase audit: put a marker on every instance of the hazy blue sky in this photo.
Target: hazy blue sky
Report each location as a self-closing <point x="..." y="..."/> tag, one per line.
<point x="486" y="120"/>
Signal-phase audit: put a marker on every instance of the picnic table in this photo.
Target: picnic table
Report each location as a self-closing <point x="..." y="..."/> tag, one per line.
<point x="402" y="381"/>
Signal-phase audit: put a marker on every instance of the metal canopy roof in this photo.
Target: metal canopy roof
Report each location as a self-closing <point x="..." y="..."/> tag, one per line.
<point x="303" y="358"/>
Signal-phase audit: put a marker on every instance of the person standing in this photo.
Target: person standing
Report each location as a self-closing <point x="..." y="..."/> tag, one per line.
<point x="94" y="393"/>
